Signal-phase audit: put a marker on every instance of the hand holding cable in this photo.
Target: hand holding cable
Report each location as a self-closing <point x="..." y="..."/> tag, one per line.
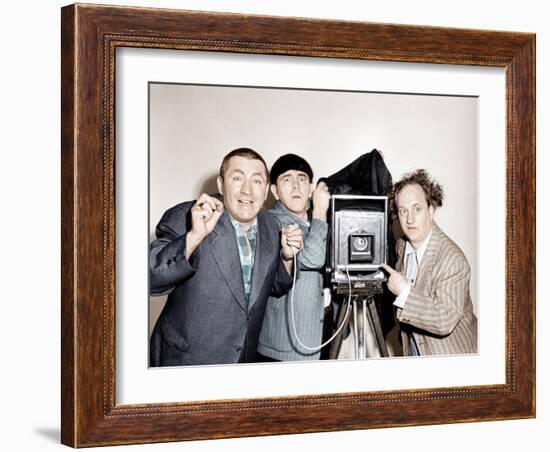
<point x="292" y="240"/>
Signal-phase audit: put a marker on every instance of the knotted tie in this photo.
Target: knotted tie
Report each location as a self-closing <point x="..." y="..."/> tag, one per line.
<point x="411" y="271"/>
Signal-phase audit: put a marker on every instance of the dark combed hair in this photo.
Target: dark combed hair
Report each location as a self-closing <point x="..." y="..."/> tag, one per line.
<point x="247" y="153"/>
<point x="433" y="191"/>
<point x="289" y="162"/>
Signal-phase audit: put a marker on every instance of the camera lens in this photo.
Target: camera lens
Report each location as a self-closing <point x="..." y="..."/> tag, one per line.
<point x="360" y="243"/>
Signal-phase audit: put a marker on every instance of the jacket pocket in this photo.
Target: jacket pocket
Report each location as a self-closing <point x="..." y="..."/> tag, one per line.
<point x="173" y="338"/>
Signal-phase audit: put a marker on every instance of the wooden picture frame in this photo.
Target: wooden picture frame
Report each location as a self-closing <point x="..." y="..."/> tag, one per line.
<point x="90" y="36"/>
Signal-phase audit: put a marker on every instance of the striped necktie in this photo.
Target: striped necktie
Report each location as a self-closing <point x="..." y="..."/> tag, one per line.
<point x="412" y="268"/>
<point x="411" y="272"/>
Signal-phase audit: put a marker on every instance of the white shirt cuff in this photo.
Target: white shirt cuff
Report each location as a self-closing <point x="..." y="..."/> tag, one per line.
<point x="402" y="297"/>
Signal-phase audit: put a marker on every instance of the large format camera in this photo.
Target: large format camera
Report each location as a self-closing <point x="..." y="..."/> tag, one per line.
<point x="359" y="237"/>
<point x="358" y="248"/>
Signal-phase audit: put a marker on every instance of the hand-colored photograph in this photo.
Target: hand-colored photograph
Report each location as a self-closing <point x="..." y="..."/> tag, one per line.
<point x="305" y="225"/>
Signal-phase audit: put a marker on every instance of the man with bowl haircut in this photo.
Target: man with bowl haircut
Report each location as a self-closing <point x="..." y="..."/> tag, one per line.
<point x="220" y="261"/>
<point x="291" y="184"/>
<point x="432" y="275"/>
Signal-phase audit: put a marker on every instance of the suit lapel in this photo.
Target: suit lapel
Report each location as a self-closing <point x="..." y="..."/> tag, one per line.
<point x="224" y="248"/>
<point x="428" y="261"/>
<point x="264" y="248"/>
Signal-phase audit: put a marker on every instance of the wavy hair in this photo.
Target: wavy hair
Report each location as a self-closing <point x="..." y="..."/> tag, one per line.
<point x="433" y="191"/>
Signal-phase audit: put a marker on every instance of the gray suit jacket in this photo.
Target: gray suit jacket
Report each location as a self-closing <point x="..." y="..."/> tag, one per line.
<point x="205" y="319"/>
<point x="277" y="338"/>
<point x="438" y="311"/>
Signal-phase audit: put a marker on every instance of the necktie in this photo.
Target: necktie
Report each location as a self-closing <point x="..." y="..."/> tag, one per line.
<point x="412" y="268"/>
<point x="411" y="272"/>
<point x="251" y="237"/>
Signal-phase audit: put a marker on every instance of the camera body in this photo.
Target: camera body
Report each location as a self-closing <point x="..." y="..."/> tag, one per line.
<point x="359" y="237"/>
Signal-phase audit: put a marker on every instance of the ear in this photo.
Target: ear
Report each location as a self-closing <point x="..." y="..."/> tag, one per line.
<point x="274" y="191"/>
<point x="220" y="184"/>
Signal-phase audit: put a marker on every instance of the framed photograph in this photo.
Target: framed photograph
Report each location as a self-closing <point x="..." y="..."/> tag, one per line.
<point x="153" y="99"/>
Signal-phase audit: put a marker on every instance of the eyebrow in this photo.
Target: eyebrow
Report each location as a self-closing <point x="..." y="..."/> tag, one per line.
<point x="298" y="174"/>
<point x="240" y="171"/>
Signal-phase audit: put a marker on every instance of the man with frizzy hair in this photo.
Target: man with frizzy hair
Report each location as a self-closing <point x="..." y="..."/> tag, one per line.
<point x="219" y="260"/>
<point x="432" y="276"/>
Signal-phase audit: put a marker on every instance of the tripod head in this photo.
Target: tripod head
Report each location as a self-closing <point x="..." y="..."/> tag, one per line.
<point x="359" y="288"/>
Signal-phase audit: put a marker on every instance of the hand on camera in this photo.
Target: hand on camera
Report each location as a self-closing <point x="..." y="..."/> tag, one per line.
<point x="396" y="281"/>
<point x="321" y="202"/>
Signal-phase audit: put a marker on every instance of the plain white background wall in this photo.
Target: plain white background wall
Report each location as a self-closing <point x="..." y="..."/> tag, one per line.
<point x="193" y="127"/>
<point x="30" y="173"/>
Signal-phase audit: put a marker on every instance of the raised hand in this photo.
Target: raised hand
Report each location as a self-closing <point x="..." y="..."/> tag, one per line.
<point x="321" y="201"/>
<point x="205" y="214"/>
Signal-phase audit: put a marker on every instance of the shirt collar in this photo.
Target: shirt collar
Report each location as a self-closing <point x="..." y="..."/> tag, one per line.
<point x="238" y="226"/>
<point x="421" y="249"/>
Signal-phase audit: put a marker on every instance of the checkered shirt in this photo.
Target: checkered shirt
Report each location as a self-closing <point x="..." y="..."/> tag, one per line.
<point x="246" y="253"/>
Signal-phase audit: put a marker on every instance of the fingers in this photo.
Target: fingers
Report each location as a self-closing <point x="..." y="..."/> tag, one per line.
<point x="321" y="201"/>
<point x="292" y="232"/>
<point x="322" y="186"/>
<point x="206" y="205"/>
<point x="390" y="270"/>
<point x="292" y="236"/>
<point x="209" y="202"/>
<point x="203" y="211"/>
<point x="296" y="244"/>
<point x="205" y="214"/>
<point x="321" y="190"/>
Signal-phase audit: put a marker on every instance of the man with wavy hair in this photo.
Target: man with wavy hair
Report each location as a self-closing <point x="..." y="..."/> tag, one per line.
<point x="432" y="276"/>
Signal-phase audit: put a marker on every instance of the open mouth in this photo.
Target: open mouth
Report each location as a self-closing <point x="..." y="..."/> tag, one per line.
<point x="245" y="202"/>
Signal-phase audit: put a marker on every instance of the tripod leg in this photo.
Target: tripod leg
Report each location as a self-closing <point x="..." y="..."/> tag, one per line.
<point x="377" y="327"/>
<point x="364" y="334"/>
<point x="337" y="343"/>
<point x="358" y="330"/>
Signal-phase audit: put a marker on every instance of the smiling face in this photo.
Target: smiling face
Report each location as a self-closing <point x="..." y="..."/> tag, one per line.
<point x="415" y="216"/>
<point x="293" y="189"/>
<point x="244" y="188"/>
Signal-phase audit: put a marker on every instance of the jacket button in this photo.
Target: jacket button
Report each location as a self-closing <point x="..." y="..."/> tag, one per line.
<point x="238" y="349"/>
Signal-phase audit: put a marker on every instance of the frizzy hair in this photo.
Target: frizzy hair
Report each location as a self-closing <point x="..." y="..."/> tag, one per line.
<point x="433" y="191"/>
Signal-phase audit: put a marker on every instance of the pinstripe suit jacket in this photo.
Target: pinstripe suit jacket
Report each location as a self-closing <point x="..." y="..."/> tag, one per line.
<point x="277" y="337"/>
<point x="438" y="311"/>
